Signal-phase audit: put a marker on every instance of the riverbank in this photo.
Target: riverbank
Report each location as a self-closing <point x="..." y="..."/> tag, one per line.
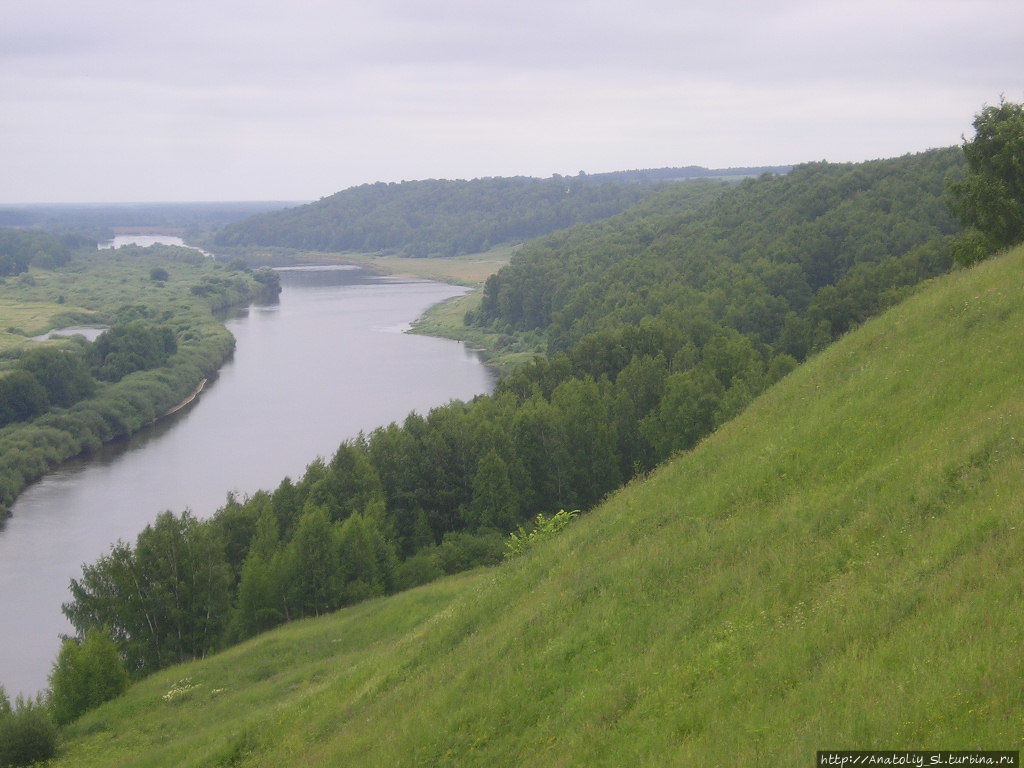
<point x="195" y="393"/>
<point x="320" y="366"/>
<point x="447" y="319"/>
<point x="109" y="287"/>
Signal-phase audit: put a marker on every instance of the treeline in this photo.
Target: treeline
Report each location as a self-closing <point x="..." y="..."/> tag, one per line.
<point x="690" y="172"/>
<point x="440" y="217"/>
<point x="99" y="220"/>
<point x="21" y="248"/>
<point x="64" y="398"/>
<point x="686" y="332"/>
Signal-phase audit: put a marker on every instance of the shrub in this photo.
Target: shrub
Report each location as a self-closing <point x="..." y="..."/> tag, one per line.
<point x="27" y="734"/>
<point x="419" y="569"/>
<point x="86" y="674"/>
<point x="522" y="541"/>
<point x="460" y="550"/>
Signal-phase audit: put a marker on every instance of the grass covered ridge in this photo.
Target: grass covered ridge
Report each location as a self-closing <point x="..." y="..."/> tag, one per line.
<point x="838" y="567"/>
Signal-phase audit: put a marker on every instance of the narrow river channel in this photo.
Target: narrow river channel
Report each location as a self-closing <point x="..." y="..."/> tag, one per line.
<point x="330" y="359"/>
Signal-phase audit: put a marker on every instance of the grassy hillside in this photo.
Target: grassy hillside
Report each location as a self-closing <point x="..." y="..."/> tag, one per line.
<point x="838" y="567"/>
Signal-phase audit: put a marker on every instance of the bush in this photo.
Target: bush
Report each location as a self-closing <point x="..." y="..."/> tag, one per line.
<point x="419" y="569"/>
<point x="86" y="674"/>
<point x="461" y="551"/>
<point x="27" y="734"/>
<point x="522" y="541"/>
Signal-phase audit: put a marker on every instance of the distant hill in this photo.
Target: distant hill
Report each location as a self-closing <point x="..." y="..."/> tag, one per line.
<point x="690" y="172"/>
<point x="104" y="219"/>
<point x="838" y="567"/>
<point x="440" y="217"/>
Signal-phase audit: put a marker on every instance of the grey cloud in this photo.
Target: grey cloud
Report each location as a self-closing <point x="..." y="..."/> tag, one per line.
<point x="296" y="99"/>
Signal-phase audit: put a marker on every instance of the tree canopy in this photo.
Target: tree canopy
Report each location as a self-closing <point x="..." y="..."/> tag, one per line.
<point x="20" y="248"/>
<point x="990" y="201"/>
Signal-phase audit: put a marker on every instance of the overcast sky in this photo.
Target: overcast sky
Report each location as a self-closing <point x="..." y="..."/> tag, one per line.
<point x="295" y="99"/>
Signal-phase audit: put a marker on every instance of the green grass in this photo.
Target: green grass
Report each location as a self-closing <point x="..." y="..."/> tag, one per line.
<point x="447" y="320"/>
<point x="101" y="282"/>
<point x="838" y="567"/>
<point x="90" y="289"/>
<point x="33" y="317"/>
<point x="471" y="269"/>
<point x="20" y="319"/>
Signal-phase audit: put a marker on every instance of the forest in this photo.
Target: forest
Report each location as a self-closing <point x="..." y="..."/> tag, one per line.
<point x="662" y="323"/>
<point x="439" y="217"/>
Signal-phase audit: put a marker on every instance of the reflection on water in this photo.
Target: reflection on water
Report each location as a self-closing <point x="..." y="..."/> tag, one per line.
<point x="318" y="366"/>
<point x="147" y="240"/>
<point x="144" y="240"/>
<point x="91" y="332"/>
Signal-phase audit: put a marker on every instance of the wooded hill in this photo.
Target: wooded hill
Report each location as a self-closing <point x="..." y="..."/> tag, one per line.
<point x="789" y="261"/>
<point x="408" y="503"/>
<point x="440" y="217"/>
<point x="840" y="567"/>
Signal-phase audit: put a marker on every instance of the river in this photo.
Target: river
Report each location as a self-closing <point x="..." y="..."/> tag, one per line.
<point x="326" y="361"/>
<point x="145" y="241"/>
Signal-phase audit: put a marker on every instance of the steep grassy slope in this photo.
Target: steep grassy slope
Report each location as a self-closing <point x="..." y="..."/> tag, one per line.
<point x="838" y="567"/>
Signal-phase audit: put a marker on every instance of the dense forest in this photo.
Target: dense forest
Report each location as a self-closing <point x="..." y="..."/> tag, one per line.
<point x="440" y="217"/>
<point x="663" y="323"/>
<point x="756" y="259"/>
<point x="63" y="397"/>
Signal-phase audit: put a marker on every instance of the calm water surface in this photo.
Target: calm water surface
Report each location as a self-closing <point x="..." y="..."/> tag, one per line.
<point x="143" y="240"/>
<point x="329" y="360"/>
<point x="147" y="240"/>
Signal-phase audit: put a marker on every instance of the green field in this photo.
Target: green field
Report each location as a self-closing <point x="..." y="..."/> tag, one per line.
<point x="20" y="320"/>
<point x="471" y="269"/>
<point x="839" y="567"/>
<point x="91" y="289"/>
